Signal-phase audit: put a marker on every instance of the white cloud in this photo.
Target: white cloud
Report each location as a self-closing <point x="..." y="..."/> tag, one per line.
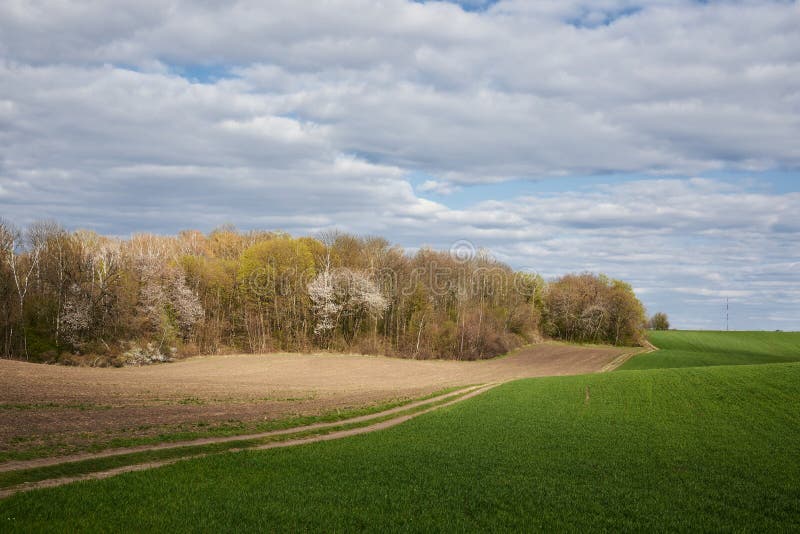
<point x="520" y="90"/>
<point x="440" y="188"/>
<point x="310" y="117"/>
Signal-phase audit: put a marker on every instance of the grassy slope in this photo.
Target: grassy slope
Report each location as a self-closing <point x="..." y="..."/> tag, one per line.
<point x="711" y="448"/>
<point x="697" y="349"/>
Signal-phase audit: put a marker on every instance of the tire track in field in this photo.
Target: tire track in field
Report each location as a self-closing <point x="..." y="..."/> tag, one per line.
<point x="465" y="393"/>
<point x="558" y="360"/>
<point x="617" y="362"/>
<point x="18" y="465"/>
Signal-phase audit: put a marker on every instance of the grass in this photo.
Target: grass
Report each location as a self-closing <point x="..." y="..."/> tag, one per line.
<point x="712" y="448"/>
<point x="699" y="349"/>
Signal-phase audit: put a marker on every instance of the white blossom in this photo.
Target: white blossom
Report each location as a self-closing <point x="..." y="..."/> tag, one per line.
<point x="336" y="293"/>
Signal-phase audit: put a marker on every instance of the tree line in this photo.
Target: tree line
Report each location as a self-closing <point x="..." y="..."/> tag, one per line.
<point x="81" y="297"/>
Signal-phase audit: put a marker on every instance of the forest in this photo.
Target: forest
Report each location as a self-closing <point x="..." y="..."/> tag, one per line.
<point x="77" y="297"/>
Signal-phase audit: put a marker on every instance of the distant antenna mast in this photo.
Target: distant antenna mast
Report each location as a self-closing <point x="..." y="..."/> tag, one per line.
<point x="727" y="314"/>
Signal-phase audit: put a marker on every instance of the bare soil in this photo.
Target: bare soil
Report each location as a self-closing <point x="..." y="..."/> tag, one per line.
<point x="68" y="408"/>
<point x="460" y="396"/>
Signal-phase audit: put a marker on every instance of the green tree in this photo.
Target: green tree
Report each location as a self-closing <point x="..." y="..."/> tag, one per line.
<point x="273" y="276"/>
<point x="659" y="321"/>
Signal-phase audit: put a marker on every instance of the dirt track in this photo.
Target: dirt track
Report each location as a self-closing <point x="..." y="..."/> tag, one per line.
<point x="402" y="416"/>
<point x="65" y="407"/>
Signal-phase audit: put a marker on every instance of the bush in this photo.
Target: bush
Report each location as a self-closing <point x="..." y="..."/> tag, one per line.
<point x="146" y="355"/>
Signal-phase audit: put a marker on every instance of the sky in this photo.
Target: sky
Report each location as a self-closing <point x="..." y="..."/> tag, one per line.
<point x="655" y="142"/>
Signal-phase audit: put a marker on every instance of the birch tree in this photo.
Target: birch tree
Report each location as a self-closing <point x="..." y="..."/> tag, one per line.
<point x="22" y="266"/>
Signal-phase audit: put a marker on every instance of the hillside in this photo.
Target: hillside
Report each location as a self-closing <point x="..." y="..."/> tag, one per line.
<point x="697" y="349"/>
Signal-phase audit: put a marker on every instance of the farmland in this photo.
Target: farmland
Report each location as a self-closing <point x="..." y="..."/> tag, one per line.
<point x="697" y="444"/>
<point x="694" y="349"/>
<point x="711" y="448"/>
<point x="55" y="410"/>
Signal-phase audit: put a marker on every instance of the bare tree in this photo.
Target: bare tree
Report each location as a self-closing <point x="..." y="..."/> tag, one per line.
<point x="7" y="240"/>
<point x="22" y="265"/>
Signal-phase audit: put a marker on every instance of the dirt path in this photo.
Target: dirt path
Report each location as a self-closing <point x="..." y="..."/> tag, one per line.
<point x="465" y="394"/>
<point x="647" y="348"/>
<point x="44" y="462"/>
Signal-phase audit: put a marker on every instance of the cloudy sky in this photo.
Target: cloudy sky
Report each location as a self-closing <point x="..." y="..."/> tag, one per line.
<point x="657" y="142"/>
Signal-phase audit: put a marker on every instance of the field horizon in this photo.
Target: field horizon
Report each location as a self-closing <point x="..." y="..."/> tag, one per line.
<point x="689" y="348"/>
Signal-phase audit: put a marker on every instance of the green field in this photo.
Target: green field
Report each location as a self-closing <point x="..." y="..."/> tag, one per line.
<point x="699" y="349"/>
<point x="712" y="448"/>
